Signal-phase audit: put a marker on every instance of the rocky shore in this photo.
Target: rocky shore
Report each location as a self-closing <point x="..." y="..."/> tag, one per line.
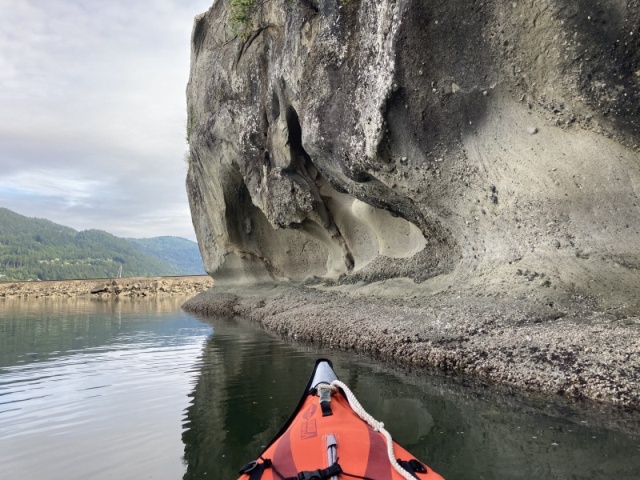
<point x="107" y="288"/>
<point x="568" y="347"/>
<point x="460" y="183"/>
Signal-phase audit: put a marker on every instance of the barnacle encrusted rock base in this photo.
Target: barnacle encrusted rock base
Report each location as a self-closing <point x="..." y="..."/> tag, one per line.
<point x="575" y="353"/>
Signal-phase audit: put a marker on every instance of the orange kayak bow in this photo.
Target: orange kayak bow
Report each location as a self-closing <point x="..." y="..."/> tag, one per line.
<point x="330" y="437"/>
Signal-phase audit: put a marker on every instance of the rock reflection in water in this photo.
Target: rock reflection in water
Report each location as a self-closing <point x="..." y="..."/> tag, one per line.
<point x="250" y="382"/>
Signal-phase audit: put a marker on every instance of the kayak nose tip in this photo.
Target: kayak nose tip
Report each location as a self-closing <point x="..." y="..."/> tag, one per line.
<point x="323" y="373"/>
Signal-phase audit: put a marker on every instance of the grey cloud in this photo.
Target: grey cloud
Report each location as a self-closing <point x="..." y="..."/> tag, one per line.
<point x="93" y="94"/>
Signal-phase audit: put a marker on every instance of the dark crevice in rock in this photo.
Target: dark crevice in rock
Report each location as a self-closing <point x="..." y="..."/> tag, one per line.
<point x="199" y="33"/>
<point x="295" y="135"/>
<point x="361" y="177"/>
<point x="303" y="169"/>
<point x="247" y="43"/>
<point x="275" y="105"/>
<point x="238" y="200"/>
<point x="310" y="6"/>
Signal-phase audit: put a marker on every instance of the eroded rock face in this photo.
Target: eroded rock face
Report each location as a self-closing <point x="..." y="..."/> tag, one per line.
<point x="381" y="138"/>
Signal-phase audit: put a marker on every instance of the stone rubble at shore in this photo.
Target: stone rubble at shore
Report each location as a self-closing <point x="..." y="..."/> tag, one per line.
<point x="578" y="356"/>
<point x="108" y="288"/>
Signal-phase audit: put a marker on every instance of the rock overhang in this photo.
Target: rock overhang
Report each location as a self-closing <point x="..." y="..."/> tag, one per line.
<point x="443" y="119"/>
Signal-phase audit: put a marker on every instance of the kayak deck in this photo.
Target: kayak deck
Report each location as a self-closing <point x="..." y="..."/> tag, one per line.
<point x="300" y="451"/>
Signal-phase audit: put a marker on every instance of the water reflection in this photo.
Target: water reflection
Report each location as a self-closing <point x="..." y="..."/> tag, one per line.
<point x="95" y="389"/>
<point x="139" y="389"/>
<point x="33" y="330"/>
<point x="250" y="383"/>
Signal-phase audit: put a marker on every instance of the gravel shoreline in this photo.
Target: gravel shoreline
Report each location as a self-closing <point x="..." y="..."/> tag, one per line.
<point x="108" y="288"/>
<point x="565" y="348"/>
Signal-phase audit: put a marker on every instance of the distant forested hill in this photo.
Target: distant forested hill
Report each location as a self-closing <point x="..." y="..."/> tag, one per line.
<point x="182" y="253"/>
<point x="32" y="248"/>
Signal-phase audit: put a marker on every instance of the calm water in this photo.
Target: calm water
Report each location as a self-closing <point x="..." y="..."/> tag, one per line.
<point x="134" y="390"/>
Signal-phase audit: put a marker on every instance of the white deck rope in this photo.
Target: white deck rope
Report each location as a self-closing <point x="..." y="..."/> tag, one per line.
<point x="376" y="425"/>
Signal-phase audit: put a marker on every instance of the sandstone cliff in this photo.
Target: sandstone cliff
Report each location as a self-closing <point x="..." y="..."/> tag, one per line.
<point x="484" y="143"/>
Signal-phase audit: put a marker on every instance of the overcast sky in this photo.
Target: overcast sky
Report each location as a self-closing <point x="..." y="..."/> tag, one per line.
<point x="93" y="115"/>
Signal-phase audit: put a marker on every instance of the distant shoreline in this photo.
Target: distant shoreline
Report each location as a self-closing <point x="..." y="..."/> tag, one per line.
<point x="107" y="287"/>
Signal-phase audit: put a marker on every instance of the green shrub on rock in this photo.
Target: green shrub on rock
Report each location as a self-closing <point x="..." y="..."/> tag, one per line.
<point x="241" y="16"/>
